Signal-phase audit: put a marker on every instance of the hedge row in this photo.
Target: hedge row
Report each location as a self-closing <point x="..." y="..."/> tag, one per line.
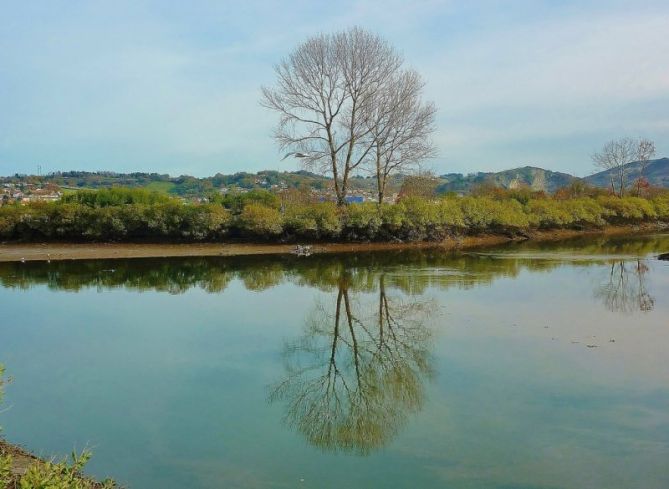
<point x="412" y="219"/>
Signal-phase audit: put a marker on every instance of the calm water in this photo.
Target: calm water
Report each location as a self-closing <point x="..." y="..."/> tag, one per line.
<point x="519" y="367"/>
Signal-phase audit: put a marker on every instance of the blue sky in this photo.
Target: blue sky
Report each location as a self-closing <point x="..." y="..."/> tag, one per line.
<point x="173" y="86"/>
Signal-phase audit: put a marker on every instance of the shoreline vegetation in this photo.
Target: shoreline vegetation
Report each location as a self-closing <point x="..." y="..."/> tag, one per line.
<point x="122" y="222"/>
<point x="22" y="470"/>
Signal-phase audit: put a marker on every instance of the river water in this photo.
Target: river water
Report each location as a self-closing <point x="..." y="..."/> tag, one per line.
<point x="523" y="366"/>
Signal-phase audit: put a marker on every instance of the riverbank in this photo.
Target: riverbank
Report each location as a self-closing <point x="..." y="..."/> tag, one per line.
<point x="17" y="465"/>
<point x="86" y="251"/>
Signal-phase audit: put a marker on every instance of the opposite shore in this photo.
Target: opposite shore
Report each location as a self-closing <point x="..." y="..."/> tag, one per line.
<point x="12" y="252"/>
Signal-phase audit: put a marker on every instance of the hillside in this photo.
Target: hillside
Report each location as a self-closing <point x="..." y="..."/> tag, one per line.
<point x="187" y="186"/>
<point x="657" y="174"/>
<point x="528" y="176"/>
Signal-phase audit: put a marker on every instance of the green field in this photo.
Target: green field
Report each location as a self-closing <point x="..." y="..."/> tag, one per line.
<point x="163" y="187"/>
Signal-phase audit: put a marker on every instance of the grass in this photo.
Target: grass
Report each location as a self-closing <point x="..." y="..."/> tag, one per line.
<point x="162" y="187"/>
<point x="21" y="470"/>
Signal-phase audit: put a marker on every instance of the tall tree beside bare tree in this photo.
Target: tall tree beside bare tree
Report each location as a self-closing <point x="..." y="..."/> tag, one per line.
<point x="400" y="128"/>
<point x="327" y="93"/>
<point x="616" y="155"/>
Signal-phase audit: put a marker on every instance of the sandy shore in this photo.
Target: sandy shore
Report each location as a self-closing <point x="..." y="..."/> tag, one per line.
<point x="84" y="251"/>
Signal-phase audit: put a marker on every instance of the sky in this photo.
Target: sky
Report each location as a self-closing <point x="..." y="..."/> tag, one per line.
<point x="174" y="87"/>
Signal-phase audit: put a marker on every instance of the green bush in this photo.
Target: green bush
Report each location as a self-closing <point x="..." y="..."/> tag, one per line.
<point x="362" y="221"/>
<point x="393" y="220"/>
<point x="449" y="214"/>
<point x="413" y="218"/>
<point x="477" y="212"/>
<point x="115" y="196"/>
<point x="259" y="221"/>
<point x="508" y="216"/>
<point x="421" y="219"/>
<point x="314" y="221"/>
<point x="628" y="209"/>
<point x="585" y="212"/>
<point x="486" y="214"/>
<point x="236" y="201"/>
<point x="51" y="475"/>
<point x="661" y="206"/>
<point x="548" y="214"/>
<point x="5" y="471"/>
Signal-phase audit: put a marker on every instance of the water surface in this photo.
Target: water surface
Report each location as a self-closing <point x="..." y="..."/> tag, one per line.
<point x="524" y="366"/>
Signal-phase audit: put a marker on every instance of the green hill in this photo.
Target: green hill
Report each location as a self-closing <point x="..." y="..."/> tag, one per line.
<point x="657" y="174"/>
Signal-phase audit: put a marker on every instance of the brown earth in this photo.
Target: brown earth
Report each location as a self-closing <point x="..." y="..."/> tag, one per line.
<point x="22" y="460"/>
<point x="82" y="251"/>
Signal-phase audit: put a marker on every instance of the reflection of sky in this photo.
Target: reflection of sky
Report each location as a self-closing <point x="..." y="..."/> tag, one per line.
<point x="174" y="86"/>
<point x="168" y="388"/>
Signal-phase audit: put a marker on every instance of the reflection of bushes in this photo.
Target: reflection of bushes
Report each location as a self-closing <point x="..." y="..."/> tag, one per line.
<point x="411" y="219"/>
<point x="411" y="271"/>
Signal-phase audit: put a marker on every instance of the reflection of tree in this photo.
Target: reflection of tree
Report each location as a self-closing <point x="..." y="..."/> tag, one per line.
<point x="352" y="379"/>
<point x="625" y="290"/>
<point x="2" y="382"/>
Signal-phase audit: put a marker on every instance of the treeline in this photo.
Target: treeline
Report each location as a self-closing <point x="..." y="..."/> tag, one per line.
<point x="138" y="215"/>
<point x="184" y="185"/>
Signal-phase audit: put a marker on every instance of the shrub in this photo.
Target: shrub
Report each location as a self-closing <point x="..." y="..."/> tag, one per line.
<point x="115" y="196"/>
<point x="586" y="212"/>
<point x="420" y="218"/>
<point x="548" y="214"/>
<point x="362" y="221"/>
<point x="413" y="218"/>
<point x="257" y="220"/>
<point x="628" y="209"/>
<point x="313" y="221"/>
<point x="393" y="220"/>
<point x="57" y="475"/>
<point x="236" y="201"/>
<point x="476" y="212"/>
<point x="661" y="206"/>
<point x="449" y="214"/>
<point x="508" y="216"/>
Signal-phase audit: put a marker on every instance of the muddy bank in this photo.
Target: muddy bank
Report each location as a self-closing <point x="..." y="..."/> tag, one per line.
<point x="22" y="460"/>
<point x="79" y="251"/>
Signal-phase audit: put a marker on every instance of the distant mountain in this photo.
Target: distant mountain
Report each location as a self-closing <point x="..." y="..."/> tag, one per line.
<point x="657" y="174"/>
<point x="527" y="176"/>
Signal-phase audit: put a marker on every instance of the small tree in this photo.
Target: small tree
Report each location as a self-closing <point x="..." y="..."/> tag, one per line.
<point x="645" y="151"/>
<point x="616" y="156"/>
<point x="422" y="185"/>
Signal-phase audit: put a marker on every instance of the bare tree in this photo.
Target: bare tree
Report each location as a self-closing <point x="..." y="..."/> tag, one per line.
<point x="423" y="184"/>
<point x="400" y="128"/>
<point x="645" y="151"/>
<point x="616" y="156"/>
<point x="324" y="95"/>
